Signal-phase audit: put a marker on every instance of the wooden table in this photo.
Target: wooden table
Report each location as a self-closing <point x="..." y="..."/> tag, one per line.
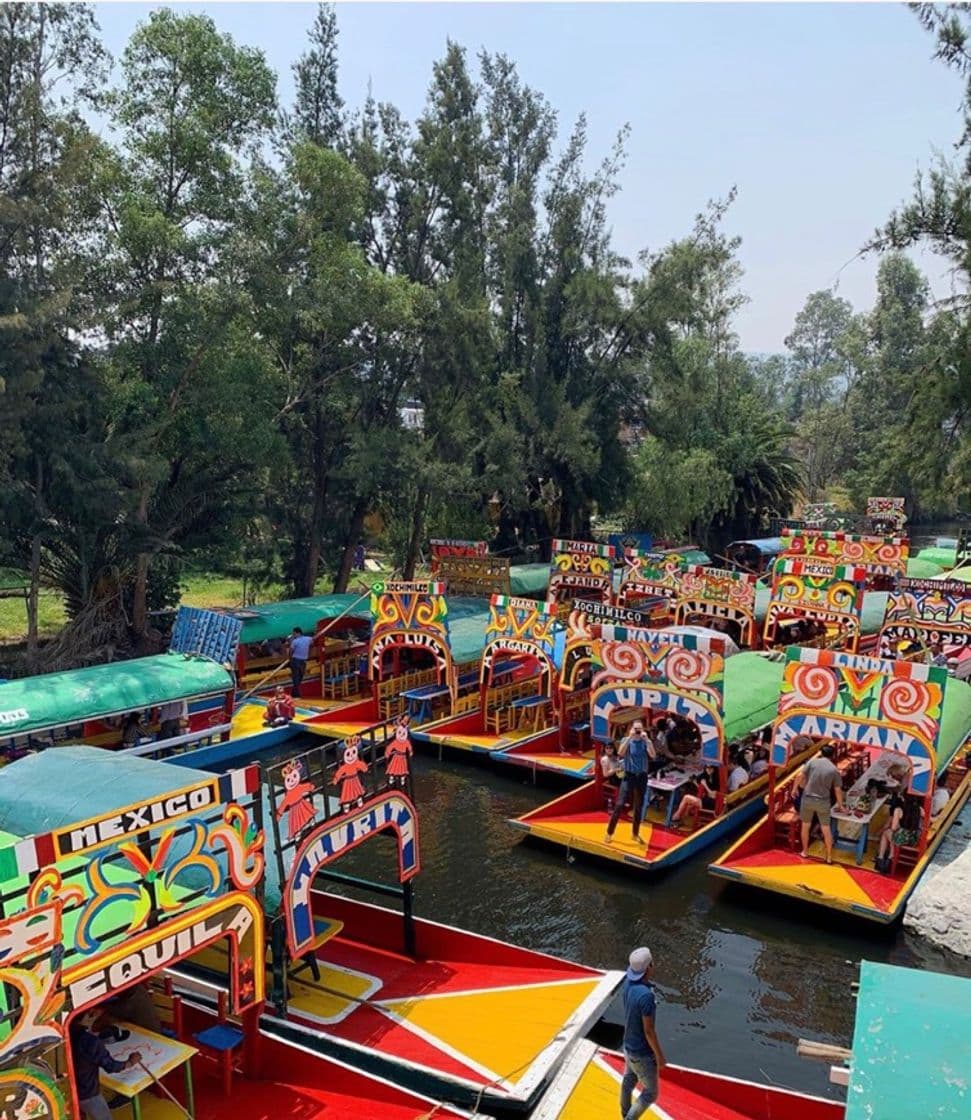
<point x="421" y="700"/>
<point x="671" y="783"/>
<point x="160" y="1055"/>
<point x="849" y="816"/>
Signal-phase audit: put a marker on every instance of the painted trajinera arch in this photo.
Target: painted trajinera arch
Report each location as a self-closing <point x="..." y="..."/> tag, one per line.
<point x="521" y="627"/>
<point x="818" y="590"/>
<point x="91" y="908"/>
<point x="720" y="595"/>
<point x="682" y="675"/>
<point x="581" y="570"/>
<point x="610" y="698"/>
<point x="410" y="615"/>
<point x="927" y="611"/>
<point x="388" y="812"/>
<point x="892" y="705"/>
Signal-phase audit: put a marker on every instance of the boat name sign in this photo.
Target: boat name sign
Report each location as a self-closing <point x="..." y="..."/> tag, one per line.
<point x="135" y="819"/>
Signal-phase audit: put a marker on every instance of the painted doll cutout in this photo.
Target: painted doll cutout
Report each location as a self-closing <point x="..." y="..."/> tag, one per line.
<point x="347" y="775"/>
<point x="397" y="753"/>
<point x="296" y="803"/>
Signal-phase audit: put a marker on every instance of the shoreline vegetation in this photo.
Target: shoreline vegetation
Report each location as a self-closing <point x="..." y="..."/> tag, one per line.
<point x="247" y="336"/>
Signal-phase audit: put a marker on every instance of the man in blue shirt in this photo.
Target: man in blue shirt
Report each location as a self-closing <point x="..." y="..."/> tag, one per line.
<point x="643" y="1055"/>
<point x="300" y="644"/>
<point x="89" y="1055"/>
<point x="634" y="751"/>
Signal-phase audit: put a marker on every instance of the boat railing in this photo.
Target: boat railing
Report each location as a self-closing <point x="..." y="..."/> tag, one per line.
<point x="179" y="743"/>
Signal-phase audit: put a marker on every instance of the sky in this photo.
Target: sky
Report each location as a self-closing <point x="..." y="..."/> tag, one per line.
<point x="819" y="114"/>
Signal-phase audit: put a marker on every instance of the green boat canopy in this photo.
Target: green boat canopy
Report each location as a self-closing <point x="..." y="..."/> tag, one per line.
<point x="922" y="569"/>
<point x="529" y="581"/>
<point x="752" y="686"/>
<point x="59" y="699"/>
<point x="955" y="721"/>
<point x="943" y="557"/>
<point x="277" y="620"/>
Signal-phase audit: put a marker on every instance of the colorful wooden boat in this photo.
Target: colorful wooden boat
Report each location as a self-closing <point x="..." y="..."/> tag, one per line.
<point x="422" y="659"/>
<point x="580" y="570"/>
<point x="883" y="557"/>
<point x="588" y="1086"/>
<point x="173" y="872"/>
<point x="339" y="624"/>
<point x="168" y="865"/>
<point x="515" y="693"/>
<point x="651" y="674"/>
<point x="88" y="705"/>
<point x="876" y="714"/>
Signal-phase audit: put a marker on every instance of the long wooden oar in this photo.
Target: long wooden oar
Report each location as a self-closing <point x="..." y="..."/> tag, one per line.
<point x="185" y="1112"/>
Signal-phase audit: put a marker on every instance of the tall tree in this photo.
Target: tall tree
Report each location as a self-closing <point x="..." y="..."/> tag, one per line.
<point x="191" y="105"/>
<point x="51" y="65"/>
<point x="318" y="110"/>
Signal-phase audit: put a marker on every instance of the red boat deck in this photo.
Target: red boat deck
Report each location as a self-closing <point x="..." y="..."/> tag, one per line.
<point x="588" y="1086"/>
<point x="298" y="1085"/>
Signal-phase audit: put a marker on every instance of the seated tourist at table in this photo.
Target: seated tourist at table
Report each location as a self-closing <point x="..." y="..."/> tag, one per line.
<point x="689" y="810"/>
<point x="760" y="764"/>
<point x="942" y="796"/>
<point x="658" y="752"/>
<point x="738" y="775"/>
<point x="901" y="830"/>
<point x="280" y="710"/>
<point x="708" y="787"/>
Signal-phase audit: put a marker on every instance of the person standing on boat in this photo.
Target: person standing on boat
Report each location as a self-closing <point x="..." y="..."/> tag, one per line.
<point x="299" y="650"/>
<point x="173" y="719"/>
<point x="634" y="754"/>
<point x="643" y="1057"/>
<point x="818" y="780"/>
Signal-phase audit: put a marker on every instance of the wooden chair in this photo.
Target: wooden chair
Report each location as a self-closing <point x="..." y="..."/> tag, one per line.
<point x="220" y="1042"/>
<point x="169" y="1008"/>
<point x="904" y="856"/>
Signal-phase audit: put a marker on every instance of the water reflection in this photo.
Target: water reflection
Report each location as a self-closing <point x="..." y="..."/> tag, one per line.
<point x="742" y="977"/>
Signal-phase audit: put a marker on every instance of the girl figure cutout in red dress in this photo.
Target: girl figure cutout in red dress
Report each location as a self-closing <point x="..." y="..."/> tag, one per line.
<point x="295" y="803"/>
<point x="397" y="752"/>
<point x="347" y="775"/>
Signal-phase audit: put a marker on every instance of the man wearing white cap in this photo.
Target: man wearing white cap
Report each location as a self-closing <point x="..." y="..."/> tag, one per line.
<point x="642" y="1051"/>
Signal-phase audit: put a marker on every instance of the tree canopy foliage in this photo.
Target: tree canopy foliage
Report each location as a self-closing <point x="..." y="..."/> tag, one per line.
<point x="251" y="335"/>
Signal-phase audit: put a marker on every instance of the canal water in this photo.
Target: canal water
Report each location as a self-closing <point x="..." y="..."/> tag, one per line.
<point x="741" y="976"/>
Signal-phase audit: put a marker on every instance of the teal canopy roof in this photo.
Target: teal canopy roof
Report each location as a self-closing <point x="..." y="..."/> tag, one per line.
<point x="529" y="581"/>
<point x="467" y="620"/>
<point x="911" y="1043"/>
<point x="277" y="620"/>
<point x="64" y="785"/>
<point x="752" y="684"/>
<point x="59" y="699"/>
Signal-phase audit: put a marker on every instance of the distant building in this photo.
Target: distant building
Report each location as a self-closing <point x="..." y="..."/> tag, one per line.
<point x="412" y="415"/>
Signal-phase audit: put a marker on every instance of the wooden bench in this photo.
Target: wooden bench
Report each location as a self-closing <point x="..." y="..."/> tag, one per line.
<point x="339" y="677"/>
<point x="500" y="715"/>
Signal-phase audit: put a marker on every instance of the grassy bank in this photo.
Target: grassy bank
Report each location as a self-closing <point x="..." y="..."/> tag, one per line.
<point x="201" y="589"/>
